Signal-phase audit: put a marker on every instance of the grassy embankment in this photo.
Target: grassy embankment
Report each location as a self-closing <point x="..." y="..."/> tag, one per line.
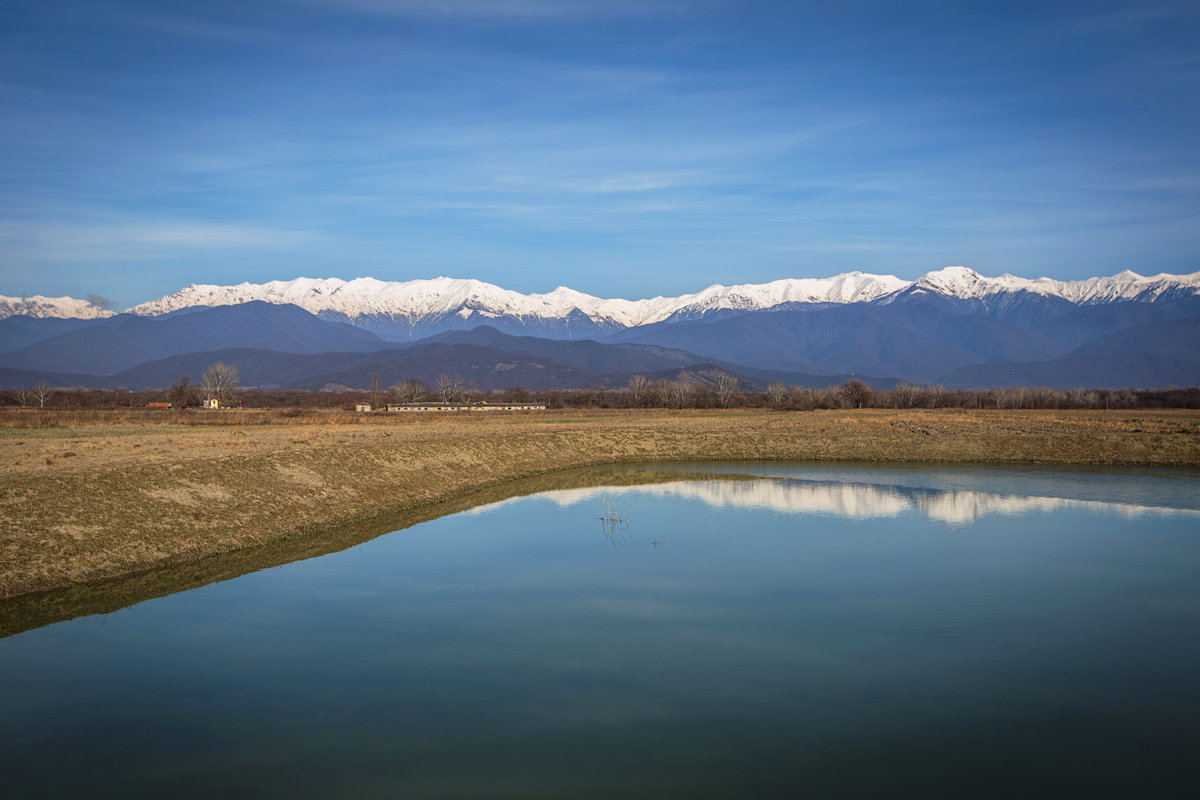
<point x="92" y="496"/>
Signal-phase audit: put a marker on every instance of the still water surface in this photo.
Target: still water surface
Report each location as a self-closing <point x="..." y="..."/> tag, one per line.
<point x="775" y="631"/>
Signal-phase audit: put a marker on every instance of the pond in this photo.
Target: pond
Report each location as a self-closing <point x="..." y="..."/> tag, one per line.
<point x="717" y="631"/>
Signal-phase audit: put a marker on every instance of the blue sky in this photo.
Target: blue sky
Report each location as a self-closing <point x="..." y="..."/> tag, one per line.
<point x="621" y="148"/>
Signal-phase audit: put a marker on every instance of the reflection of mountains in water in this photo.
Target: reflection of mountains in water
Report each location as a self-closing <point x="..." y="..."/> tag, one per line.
<point x="860" y="501"/>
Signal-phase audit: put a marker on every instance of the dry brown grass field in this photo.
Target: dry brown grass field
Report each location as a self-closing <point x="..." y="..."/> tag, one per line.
<point x="93" y="496"/>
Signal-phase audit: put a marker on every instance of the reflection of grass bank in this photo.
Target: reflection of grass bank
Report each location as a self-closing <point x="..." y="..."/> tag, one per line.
<point x="35" y="609"/>
<point x="104" y="497"/>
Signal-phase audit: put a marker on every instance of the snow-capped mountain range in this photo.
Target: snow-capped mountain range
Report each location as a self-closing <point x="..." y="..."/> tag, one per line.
<point x="417" y="307"/>
<point x="965" y="284"/>
<point x="951" y="326"/>
<point x="441" y="296"/>
<point x="51" y="307"/>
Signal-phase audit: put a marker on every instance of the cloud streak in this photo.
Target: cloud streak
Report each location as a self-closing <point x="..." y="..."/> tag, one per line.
<point x="139" y="239"/>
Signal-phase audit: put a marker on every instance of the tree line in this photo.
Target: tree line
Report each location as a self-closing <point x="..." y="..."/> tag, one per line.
<point x="853" y="394"/>
<point x="721" y="391"/>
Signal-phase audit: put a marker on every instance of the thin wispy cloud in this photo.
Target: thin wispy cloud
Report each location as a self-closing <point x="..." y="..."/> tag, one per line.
<point x="126" y="239"/>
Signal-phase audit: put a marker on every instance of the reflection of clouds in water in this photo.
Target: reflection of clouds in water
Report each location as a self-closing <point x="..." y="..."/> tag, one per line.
<point x="853" y="500"/>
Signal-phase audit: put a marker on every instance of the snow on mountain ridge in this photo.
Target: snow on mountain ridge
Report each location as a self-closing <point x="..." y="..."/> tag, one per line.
<point x="422" y="299"/>
<point x="443" y="296"/>
<point x="59" y="307"/>
<point x="965" y="283"/>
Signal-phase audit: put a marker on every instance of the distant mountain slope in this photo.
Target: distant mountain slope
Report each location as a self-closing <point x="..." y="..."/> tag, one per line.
<point x="122" y="342"/>
<point x="1078" y="325"/>
<point x="490" y="369"/>
<point x="1156" y="354"/>
<point x="487" y="367"/>
<point x="611" y="366"/>
<point x="21" y="331"/>
<point x="1065" y="323"/>
<point x="913" y="340"/>
<point x="586" y="353"/>
<point x="256" y="368"/>
<point x="27" y="378"/>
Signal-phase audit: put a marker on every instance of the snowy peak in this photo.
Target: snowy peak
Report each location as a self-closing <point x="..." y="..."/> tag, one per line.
<point x="851" y="287"/>
<point x="58" y="307"/>
<point x="958" y="282"/>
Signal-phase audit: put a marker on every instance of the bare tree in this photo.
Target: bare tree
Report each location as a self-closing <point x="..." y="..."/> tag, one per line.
<point x="220" y="381"/>
<point x="466" y="392"/>
<point x="408" y="391"/>
<point x="777" y="394"/>
<point x="41" y="391"/>
<point x="726" y="388"/>
<point x="24" y="397"/>
<point x="855" y="394"/>
<point x="1011" y="397"/>
<point x="181" y="394"/>
<point x="638" y="389"/>
<point x="828" y="397"/>
<point x="935" y="394"/>
<point x="906" y="395"/>
<point x="1044" y="397"/>
<point x="678" y="393"/>
<point x="659" y="392"/>
<point x="1123" y="398"/>
<point x="447" y="387"/>
<point x="375" y="393"/>
<point x="802" y="397"/>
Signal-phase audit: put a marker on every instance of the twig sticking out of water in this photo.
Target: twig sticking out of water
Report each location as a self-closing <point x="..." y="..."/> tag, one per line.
<point x="614" y="519"/>
<point x="613" y="512"/>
